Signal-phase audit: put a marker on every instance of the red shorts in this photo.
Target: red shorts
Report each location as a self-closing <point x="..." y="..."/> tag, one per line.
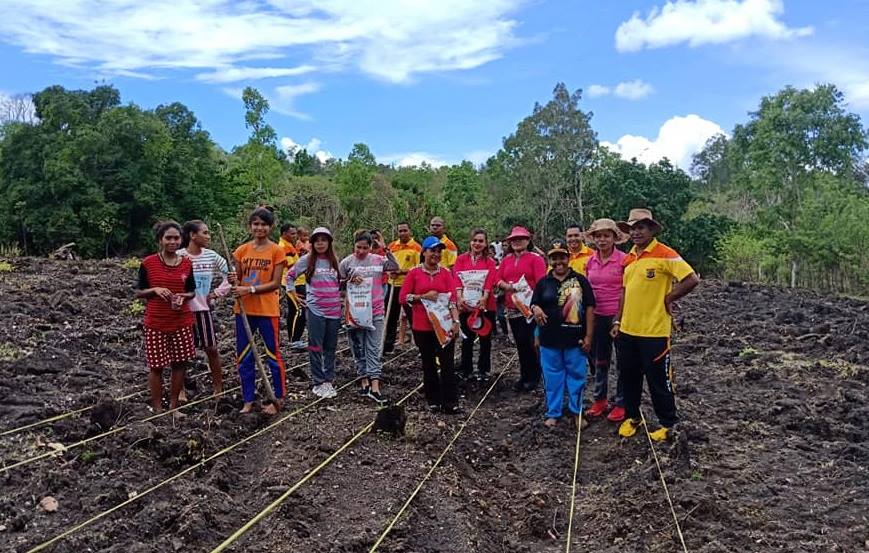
<point x="162" y="349"/>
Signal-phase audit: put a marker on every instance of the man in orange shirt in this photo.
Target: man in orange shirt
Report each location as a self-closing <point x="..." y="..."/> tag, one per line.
<point x="643" y="324"/>
<point x="451" y="252"/>
<point x="406" y="250"/>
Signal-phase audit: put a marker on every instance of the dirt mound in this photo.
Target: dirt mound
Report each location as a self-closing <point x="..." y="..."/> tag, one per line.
<point x="771" y="454"/>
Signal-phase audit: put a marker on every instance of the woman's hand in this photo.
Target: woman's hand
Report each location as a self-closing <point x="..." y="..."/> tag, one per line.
<point x="232" y="277"/>
<point x="241" y="291"/>
<point x="164" y="293"/>
<point x="456" y="328"/>
<point x="614" y="331"/>
<point x="539" y="315"/>
<point x="586" y="344"/>
<point x="356" y="279"/>
<point x="431" y="295"/>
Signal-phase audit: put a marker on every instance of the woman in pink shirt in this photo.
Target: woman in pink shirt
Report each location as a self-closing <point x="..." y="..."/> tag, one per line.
<point x="604" y="271"/>
<point x="517" y="264"/>
<point x="427" y="281"/>
<point x="475" y="274"/>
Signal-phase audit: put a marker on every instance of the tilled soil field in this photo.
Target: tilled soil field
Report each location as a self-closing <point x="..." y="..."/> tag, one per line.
<point x="772" y="453"/>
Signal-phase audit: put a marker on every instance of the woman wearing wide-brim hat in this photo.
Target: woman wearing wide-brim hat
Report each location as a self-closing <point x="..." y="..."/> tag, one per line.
<point x="604" y="271"/>
<point x="642" y="327"/>
<point x="517" y="264"/>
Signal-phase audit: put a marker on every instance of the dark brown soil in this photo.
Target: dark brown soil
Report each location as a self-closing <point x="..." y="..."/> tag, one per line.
<point x="772" y="454"/>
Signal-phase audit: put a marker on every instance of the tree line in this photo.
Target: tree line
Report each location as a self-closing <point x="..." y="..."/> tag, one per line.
<point x="781" y="199"/>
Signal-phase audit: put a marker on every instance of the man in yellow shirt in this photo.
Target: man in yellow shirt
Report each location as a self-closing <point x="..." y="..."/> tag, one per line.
<point x="295" y="313"/>
<point x="579" y="252"/>
<point x="451" y="252"/>
<point x="643" y="325"/>
<point x="406" y="251"/>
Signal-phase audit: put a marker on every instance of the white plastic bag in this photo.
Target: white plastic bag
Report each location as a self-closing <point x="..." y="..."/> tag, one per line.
<point x="441" y="319"/>
<point x="522" y="298"/>
<point x="359" y="307"/>
<point x="472" y="286"/>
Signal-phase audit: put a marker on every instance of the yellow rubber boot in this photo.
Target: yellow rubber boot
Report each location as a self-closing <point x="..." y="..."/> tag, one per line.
<point x="629" y="427"/>
<point x="660" y="434"/>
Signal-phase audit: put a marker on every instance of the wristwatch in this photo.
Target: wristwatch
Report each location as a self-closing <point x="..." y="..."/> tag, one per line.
<point x="253" y="289"/>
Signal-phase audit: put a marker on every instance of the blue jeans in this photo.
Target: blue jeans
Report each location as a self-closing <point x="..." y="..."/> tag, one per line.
<point x="366" y="349"/>
<point x="563" y="367"/>
<point x="268" y="329"/>
<point x="322" y="342"/>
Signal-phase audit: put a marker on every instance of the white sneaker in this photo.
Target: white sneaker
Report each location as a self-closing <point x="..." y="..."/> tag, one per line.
<point x="300" y="345"/>
<point x="320" y="390"/>
<point x="330" y="390"/>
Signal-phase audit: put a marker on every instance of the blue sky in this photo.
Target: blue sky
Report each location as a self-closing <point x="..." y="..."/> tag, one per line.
<point x="444" y="80"/>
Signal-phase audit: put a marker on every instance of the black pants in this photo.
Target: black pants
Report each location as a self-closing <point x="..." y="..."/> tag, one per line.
<point x="601" y="355"/>
<point x="439" y="389"/>
<point x="394" y="316"/>
<point x="529" y="363"/>
<point x="639" y="356"/>
<point x="484" y="362"/>
<point x="296" y="316"/>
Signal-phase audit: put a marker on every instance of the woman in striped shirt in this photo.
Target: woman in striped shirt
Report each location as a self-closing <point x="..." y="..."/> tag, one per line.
<point x="322" y="302"/>
<point x="208" y="266"/>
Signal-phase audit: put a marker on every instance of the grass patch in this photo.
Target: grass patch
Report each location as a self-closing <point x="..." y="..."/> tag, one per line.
<point x="10" y="250"/>
<point x="136" y="308"/>
<point x="6" y="267"/>
<point x="132" y="263"/>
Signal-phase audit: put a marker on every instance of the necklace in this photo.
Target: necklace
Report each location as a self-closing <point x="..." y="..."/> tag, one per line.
<point x="163" y="260"/>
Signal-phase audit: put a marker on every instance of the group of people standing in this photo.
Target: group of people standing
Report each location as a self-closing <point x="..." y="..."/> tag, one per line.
<point x="565" y="309"/>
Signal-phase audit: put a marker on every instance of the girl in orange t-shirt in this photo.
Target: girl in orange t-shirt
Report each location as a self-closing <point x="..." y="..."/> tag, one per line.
<point x="259" y="265"/>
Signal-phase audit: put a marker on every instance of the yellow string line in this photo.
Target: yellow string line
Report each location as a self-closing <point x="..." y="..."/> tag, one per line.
<point x="277" y="502"/>
<point x="437" y="462"/>
<point x="573" y="488"/>
<point x="664" y="483"/>
<point x="191" y="468"/>
<point x="122" y="428"/>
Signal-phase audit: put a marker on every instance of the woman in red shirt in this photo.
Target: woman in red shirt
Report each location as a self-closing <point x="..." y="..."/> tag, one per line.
<point x="166" y="282"/>
<point x="475" y="273"/>
<point x="426" y="281"/>
<point x="517" y="264"/>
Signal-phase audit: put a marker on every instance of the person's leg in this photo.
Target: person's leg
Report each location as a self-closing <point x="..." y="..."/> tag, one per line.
<point x="601" y="347"/>
<point x="431" y="385"/>
<point x="372" y="354"/>
<point x="484" y="363"/>
<point x="246" y="366"/>
<point x="317" y="330"/>
<point x="466" y="366"/>
<point x="299" y="323"/>
<point x="391" y="328"/>
<point x="270" y="331"/>
<point x="207" y="337"/>
<point x="292" y="311"/>
<point x="449" y="382"/>
<point x="357" y="346"/>
<point x="656" y="366"/>
<point x="330" y="345"/>
<point x="156" y="357"/>
<point x="181" y="352"/>
<point x="576" y="365"/>
<point x="523" y="332"/>
<point x="631" y="367"/>
<point x="553" y="381"/>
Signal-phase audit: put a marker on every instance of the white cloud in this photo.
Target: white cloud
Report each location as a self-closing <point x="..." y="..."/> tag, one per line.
<point x="413" y="159"/>
<point x="629" y="90"/>
<point x="284" y="98"/>
<point x="596" y="90"/>
<point x="389" y="39"/>
<point x="312" y="147"/>
<point x="679" y="138"/>
<point x="705" y="22"/>
<point x="234" y="74"/>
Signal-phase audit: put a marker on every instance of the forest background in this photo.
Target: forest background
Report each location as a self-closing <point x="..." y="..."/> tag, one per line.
<point x="782" y="199"/>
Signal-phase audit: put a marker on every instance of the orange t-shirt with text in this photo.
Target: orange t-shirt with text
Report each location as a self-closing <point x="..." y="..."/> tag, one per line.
<point x="257" y="267"/>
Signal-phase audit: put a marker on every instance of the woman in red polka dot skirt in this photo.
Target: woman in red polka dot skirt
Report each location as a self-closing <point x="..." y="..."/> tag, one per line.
<point x="166" y="281"/>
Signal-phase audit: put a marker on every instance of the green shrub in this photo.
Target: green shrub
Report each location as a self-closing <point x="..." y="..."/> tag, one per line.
<point x="136" y="308"/>
<point x="6" y="267"/>
<point x="132" y="263"/>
